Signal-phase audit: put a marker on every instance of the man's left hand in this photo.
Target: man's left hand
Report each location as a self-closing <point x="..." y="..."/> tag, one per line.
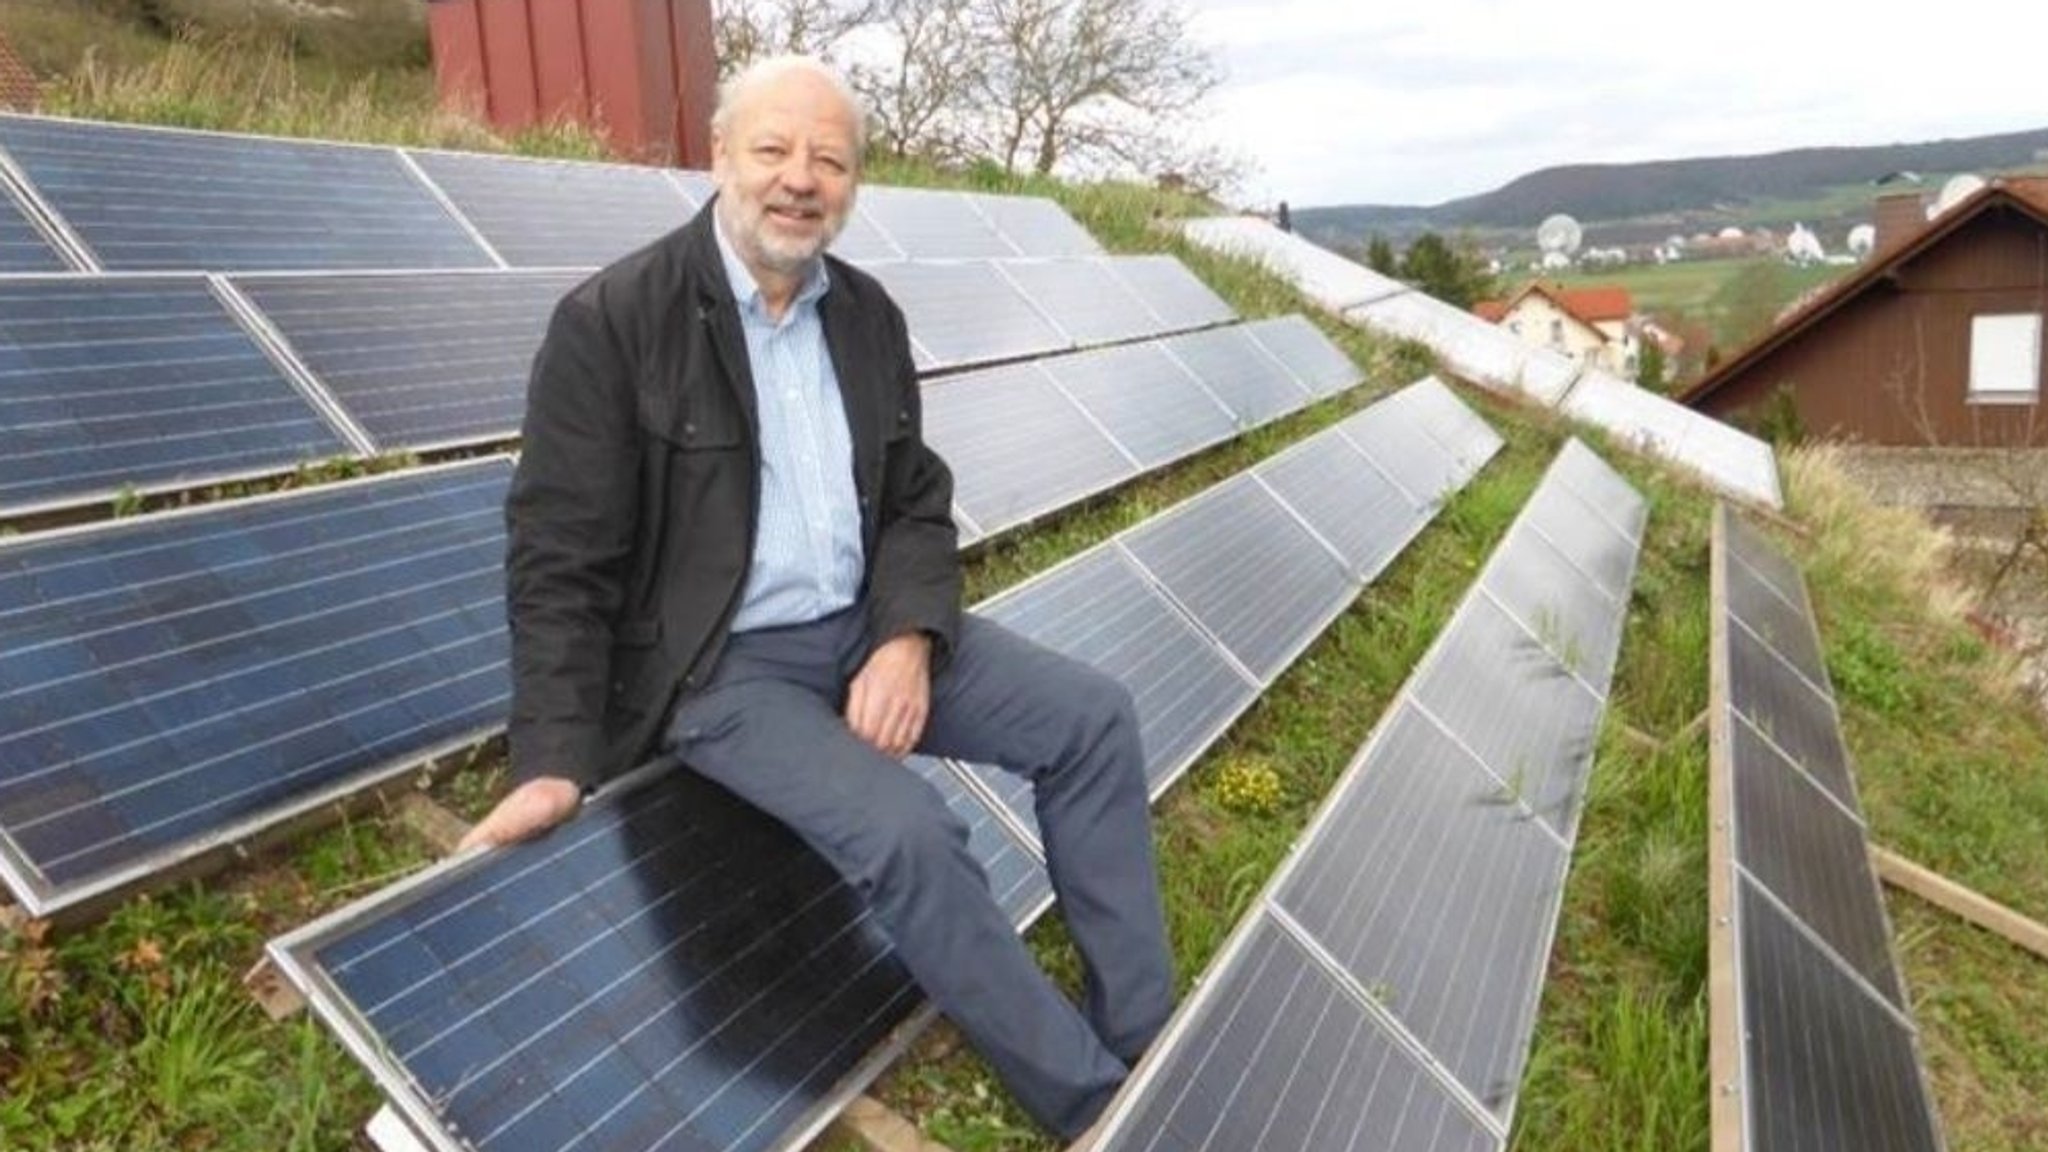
<point x="890" y="696"/>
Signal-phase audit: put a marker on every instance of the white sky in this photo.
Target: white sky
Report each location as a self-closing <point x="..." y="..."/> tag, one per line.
<point x="1422" y="101"/>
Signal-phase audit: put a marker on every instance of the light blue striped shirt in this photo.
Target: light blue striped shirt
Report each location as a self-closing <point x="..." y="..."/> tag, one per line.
<point x="807" y="552"/>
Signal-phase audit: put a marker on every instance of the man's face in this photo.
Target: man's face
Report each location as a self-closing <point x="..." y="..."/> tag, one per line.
<point x="786" y="167"/>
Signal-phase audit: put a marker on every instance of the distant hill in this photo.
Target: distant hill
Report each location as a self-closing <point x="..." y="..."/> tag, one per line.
<point x="1667" y="195"/>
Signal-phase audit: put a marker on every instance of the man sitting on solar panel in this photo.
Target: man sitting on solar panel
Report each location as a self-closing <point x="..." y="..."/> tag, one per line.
<point x="730" y="543"/>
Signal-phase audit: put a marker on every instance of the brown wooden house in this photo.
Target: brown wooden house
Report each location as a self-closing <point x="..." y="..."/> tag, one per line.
<point x="1936" y="340"/>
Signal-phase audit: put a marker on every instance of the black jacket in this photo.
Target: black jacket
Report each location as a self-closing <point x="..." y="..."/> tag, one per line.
<point x="632" y="512"/>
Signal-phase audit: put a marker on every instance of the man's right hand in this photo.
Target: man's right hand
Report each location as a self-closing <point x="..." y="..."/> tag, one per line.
<point x="525" y="812"/>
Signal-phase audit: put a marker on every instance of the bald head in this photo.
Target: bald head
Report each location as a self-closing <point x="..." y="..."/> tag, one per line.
<point x="773" y="72"/>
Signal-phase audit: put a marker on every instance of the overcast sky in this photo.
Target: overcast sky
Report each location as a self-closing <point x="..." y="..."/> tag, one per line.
<point x="1422" y="101"/>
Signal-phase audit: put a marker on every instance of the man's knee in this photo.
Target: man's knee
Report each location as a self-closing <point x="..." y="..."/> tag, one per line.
<point x="906" y="842"/>
<point x="1102" y="705"/>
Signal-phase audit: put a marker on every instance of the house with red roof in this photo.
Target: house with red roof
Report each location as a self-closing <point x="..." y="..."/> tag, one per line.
<point x="1935" y="340"/>
<point x="18" y="89"/>
<point x="1591" y="325"/>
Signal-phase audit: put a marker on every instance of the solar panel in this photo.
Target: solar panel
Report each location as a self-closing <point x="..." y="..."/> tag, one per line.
<point x="1827" y="1067"/>
<point x="141" y="381"/>
<point x="1292" y="1061"/>
<point x="418" y="360"/>
<point x="697" y="187"/>
<point x="1583" y="531"/>
<point x="966" y="313"/>
<point x="1792" y="839"/>
<point x="23" y="248"/>
<point x="1250" y="382"/>
<point x="1433" y="405"/>
<point x="1811" y="1035"/>
<point x="1543" y="587"/>
<point x="1434" y="890"/>
<point x="152" y="199"/>
<point x="1409" y="456"/>
<point x="1236" y="536"/>
<point x="1084" y="298"/>
<point x="1473" y="348"/>
<point x="1429" y="883"/>
<point x="926" y="224"/>
<point x="1145" y="399"/>
<point x="1323" y="276"/>
<point x="1100" y="610"/>
<point x="1781" y="624"/>
<point x="1017" y="445"/>
<point x="672" y="968"/>
<point x="1516" y="706"/>
<point x="1317" y="365"/>
<point x="558" y="214"/>
<point x="1176" y="295"/>
<point x="1797" y="717"/>
<point x="1035" y="226"/>
<point x="1018" y="880"/>
<point x="863" y="243"/>
<point x="167" y="681"/>
<point x="1347" y="501"/>
<point x="1729" y="459"/>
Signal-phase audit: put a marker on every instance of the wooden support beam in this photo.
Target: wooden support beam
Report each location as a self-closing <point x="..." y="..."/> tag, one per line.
<point x="275" y="993"/>
<point x="439" y="828"/>
<point x="1950" y="896"/>
<point x="878" y="1129"/>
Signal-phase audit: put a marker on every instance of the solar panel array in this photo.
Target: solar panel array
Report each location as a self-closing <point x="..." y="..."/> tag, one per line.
<point x="23" y="247"/>
<point x="571" y="993"/>
<point x="1484" y="353"/>
<point x="1814" y="1048"/>
<point x="172" y="683"/>
<point x="1383" y="991"/>
<point x="1024" y="439"/>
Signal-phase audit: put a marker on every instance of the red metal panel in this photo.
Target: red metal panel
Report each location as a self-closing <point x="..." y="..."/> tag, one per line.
<point x="561" y="68"/>
<point x="614" y="49"/>
<point x="508" y="59"/>
<point x="459" y="71"/>
<point x="696" y="64"/>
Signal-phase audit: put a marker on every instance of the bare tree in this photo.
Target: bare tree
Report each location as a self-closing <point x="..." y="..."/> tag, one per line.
<point x="1090" y="81"/>
<point x="916" y="89"/>
<point x="748" y="30"/>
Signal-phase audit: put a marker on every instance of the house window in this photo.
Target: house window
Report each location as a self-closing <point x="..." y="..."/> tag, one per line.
<point x="1557" y="333"/>
<point x="2005" y="359"/>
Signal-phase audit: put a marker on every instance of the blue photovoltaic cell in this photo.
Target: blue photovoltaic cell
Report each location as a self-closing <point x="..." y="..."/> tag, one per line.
<point x="1788" y="711"/>
<point x="1403" y="448"/>
<point x="1233" y="538"/>
<point x="926" y="224"/>
<point x="1827" y="1069"/>
<point x="166" y="679"/>
<point x="1318" y="365"/>
<point x="1035" y="226"/>
<point x="1436" y="892"/>
<point x="1085" y="299"/>
<point x="147" y="381"/>
<point x="1099" y="610"/>
<point x="1580" y="531"/>
<point x="22" y="247"/>
<point x="558" y="214"/>
<point x="1145" y="399"/>
<point x="1432" y="405"/>
<point x="670" y="969"/>
<point x="1351" y="504"/>
<point x="966" y="313"/>
<point x="1250" y="382"/>
<point x="1291" y="1061"/>
<point x="1178" y="298"/>
<point x="863" y="243"/>
<point x="418" y="360"/>
<point x="1018" y="447"/>
<point x="1781" y="624"/>
<point x="146" y="199"/>
<point x="1602" y="489"/>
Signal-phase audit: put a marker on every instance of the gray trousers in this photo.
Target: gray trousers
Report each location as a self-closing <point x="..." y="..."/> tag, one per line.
<point x="769" y="728"/>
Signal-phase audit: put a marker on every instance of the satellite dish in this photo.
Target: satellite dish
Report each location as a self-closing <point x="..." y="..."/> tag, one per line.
<point x="1862" y="238"/>
<point x="1560" y="234"/>
<point x="1957" y="190"/>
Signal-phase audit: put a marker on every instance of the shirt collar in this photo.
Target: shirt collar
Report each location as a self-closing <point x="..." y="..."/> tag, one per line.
<point x="747" y="291"/>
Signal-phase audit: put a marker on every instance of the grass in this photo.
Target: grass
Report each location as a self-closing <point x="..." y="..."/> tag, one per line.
<point x="135" y="1034"/>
